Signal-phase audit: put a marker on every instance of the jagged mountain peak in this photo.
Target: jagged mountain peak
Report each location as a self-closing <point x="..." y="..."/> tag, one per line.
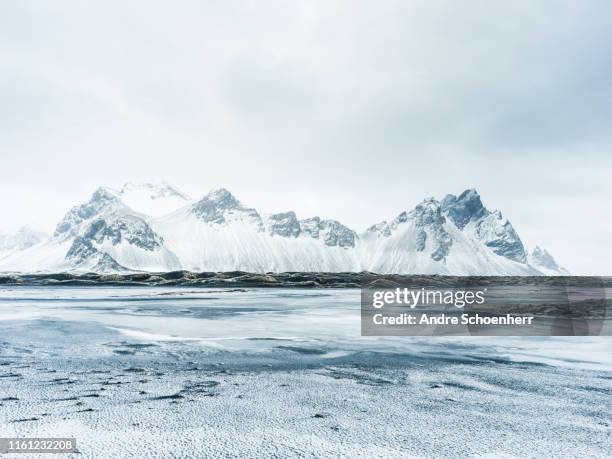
<point x="468" y="213"/>
<point x="113" y="233"/>
<point x="331" y="232"/>
<point x="470" y="194"/>
<point x="464" y="208"/>
<point x="430" y="220"/>
<point x="284" y="224"/>
<point x="427" y="212"/>
<point x="130" y="229"/>
<point x="544" y="261"/>
<point x="103" y="233"/>
<point x="104" y="194"/>
<point x="220" y="206"/>
<point x="500" y="236"/>
<point x="222" y="198"/>
<point x="103" y="200"/>
<point x="429" y="202"/>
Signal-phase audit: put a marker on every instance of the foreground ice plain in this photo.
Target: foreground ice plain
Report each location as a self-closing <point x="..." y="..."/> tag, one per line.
<point x="186" y="372"/>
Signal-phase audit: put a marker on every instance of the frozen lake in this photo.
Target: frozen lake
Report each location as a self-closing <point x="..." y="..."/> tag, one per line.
<point x="221" y="372"/>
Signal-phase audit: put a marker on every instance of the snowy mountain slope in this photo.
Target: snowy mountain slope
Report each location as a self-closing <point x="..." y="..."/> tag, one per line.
<point x="437" y="238"/>
<point x="468" y="214"/>
<point x="112" y="232"/>
<point x="152" y="199"/>
<point x="545" y="263"/>
<point x="48" y="256"/>
<point x="218" y="233"/>
<point x="22" y="239"/>
<point x="103" y="235"/>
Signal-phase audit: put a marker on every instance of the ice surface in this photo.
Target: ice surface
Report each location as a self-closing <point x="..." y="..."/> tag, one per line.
<point x="159" y="372"/>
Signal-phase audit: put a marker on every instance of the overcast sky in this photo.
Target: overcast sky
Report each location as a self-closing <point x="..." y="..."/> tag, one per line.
<point x="344" y="109"/>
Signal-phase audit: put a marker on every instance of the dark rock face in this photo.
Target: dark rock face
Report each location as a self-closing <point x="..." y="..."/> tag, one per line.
<point x="499" y="235"/>
<point x="217" y="205"/>
<point x="133" y="230"/>
<point x="213" y="206"/>
<point x="118" y="229"/>
<point x="82" y="251"/>
<point x="496" y="232"/>
<point x="100" y="200"/>
<point x="461" y="210"/>
<point x="444" y="243"/>
<point x="429" y="224"/>
<point x="509" y="246"/>
<point x="401" y="218"/>
<point x="332" y="232"/>
<point x="311" y="227"/>
<point x="336" y="234"/>
<point x="284" y="224"/>
<point x="421" y="239"/>
<point x="426" y="213"/>
<point x="428" y="218"/>
<point x="107" y="264"/>
<point x="104" y="218"/>
<point x="431" y="218"/>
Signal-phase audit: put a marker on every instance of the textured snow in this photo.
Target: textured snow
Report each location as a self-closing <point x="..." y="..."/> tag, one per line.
<point x="154" y="227"/>
<point x="152" y="372"/>
<point x="240" y="245"/>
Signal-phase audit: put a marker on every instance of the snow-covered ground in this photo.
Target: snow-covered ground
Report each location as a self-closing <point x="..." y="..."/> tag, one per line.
<point x="160" y="372"/>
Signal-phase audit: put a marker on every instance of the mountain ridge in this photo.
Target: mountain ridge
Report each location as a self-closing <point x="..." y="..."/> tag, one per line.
<point x="165" y="230"/>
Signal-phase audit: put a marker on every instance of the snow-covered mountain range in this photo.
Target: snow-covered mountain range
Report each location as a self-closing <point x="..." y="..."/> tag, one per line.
<point x="155" y="227"/>
<point x="16" y="241"/>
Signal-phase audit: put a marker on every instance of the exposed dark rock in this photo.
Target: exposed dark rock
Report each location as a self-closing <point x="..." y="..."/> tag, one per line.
<point x="464" y="208"/>
<point x="284" y="224"/>
<point x="241" y="280"/>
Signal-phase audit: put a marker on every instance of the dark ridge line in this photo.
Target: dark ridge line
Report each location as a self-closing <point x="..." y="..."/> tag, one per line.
<point x="242" y="279"/>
